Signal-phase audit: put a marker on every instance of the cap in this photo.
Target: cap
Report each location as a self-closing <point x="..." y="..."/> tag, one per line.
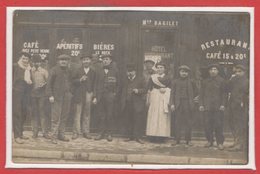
<point x="36" y="58"/>
<point x="130" y="67"/>
<point x="149" y="60"/>
<point x="64" y="57"/>
<point x="213" y="65"/>
<point x="162" y="63"/>
<point x="184" y="67"/>
<point x="104" y="56"/>
<point x="85" y="55"/>
<point x="241" y="67"/>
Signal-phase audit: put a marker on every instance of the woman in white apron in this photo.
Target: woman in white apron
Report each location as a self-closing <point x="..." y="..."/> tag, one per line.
<point x="159" y="116"/>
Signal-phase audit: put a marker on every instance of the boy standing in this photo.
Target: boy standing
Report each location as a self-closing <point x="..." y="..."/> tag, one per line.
<point x="39" y="79"/>
<point x="83" y="80"/>
<point x="212" y="102"/>
<point x="183" y="93"/>
<point x="58" y="90"/>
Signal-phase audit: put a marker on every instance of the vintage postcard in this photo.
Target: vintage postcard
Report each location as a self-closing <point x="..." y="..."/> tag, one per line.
<point x="134" y="88"/>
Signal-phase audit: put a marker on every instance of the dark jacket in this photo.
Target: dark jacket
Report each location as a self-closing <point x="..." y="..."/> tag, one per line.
<point x="80" y="88"/>
<point x="176" y="88"/>
<point x="59" y="82"/>
<point x="106" y="83"/>
<point x="19" y="83"/>
<point x="213" y="93"/>
<point x="137" y="99"/>
<point x="239" y="90"/>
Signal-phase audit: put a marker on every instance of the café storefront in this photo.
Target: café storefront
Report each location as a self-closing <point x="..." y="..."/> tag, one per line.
<point x="195" y="39"/>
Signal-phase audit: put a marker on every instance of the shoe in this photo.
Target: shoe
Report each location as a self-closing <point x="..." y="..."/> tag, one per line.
<point x="87" y="136"/>
<point x="109" y="138"/>
<point x="188" y="143"/>
<point x="220" y="147"/>
<point x="128" y="139"/>
<point x="35" y="136"/>
<point x="99" y="137"/>
<point x="24" y="137"/>
<point x="63" y="138"/>
<point x="54" y="141"/>
<point x="139" y="141"/>
<point x="208" y="144"/>
<point x="46" y="136"/>
<point x="176" y="143"/>
<point x="74" y="136"/>
<point x="232" y="145"/>
<point x="18" y="140"/>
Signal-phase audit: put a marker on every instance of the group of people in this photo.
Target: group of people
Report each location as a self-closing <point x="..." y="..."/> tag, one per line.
<point x="152" y="95"/>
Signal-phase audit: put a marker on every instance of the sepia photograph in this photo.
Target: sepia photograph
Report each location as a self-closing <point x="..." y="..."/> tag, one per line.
<point x="106" y="87"/>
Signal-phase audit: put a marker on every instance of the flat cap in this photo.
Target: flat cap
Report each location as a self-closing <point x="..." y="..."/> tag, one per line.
<point x="85" y="56"/>
<point x="241" y="67"/>
<point x="184" y="67"/>
<point x="64" y="57"/>
<point x="149" y="60"/>
<point x="213" y="66"/>
<point x="37" y="58"/>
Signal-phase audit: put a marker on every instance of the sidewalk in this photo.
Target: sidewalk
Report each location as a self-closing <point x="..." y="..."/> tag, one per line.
<point x="83" y="150"/>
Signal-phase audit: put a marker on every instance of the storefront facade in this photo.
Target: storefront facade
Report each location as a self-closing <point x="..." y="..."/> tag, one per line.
<point x="191" y="38"/>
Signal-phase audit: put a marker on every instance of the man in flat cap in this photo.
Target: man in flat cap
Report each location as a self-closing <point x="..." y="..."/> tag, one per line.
<point x="39" y="98"/>
<point x="212" y="100"/>
<point x="148" y="70"/>
<point x="21" y="95"/>
<point x="133" y="103"/>
<point x="182" y="96"/>
<point x="58" y="90"/>
<point x="238" y="87"/>
<point x="83" y="82"/>
<point x="105" y="91"/>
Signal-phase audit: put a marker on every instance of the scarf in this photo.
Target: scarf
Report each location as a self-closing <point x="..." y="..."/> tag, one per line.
<point x="27" y="73"/>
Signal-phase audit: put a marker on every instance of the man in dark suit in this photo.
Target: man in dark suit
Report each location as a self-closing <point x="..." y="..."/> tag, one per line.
<point x="58" y="90"/>
<point x="133" y="103"/>
<point x="212" y="102"/>
<point x="105" y="92"/>
<point x="22" y="84"/>
<point x="182" y="98"/>
<point x="238" y="86"/>
<point x="83" y="82"/>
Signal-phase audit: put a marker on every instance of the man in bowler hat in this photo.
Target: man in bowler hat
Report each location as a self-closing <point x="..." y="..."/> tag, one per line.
<point x="133" y="103"/>
<point x="58" y="90"/>
<point x="105" y="91"/>
<point x="238" y="87"/>
<point x="83" y="81"/>
<point x="212" y="100"/>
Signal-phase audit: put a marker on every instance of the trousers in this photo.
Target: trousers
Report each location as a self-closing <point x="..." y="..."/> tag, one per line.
<point x="214" y="124"/>
<point x="59" y="113"/>
<point x="82" y="115"/>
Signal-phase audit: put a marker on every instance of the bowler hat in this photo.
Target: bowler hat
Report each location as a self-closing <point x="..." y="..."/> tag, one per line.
<point x="130" y="67"/>
<point x="63" y="57"/>
<point x="184" y="67"/>
<point x="104" y="56"/>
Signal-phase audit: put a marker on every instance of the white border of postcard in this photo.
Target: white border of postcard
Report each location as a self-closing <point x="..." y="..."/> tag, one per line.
<point x="9" y="40"/>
